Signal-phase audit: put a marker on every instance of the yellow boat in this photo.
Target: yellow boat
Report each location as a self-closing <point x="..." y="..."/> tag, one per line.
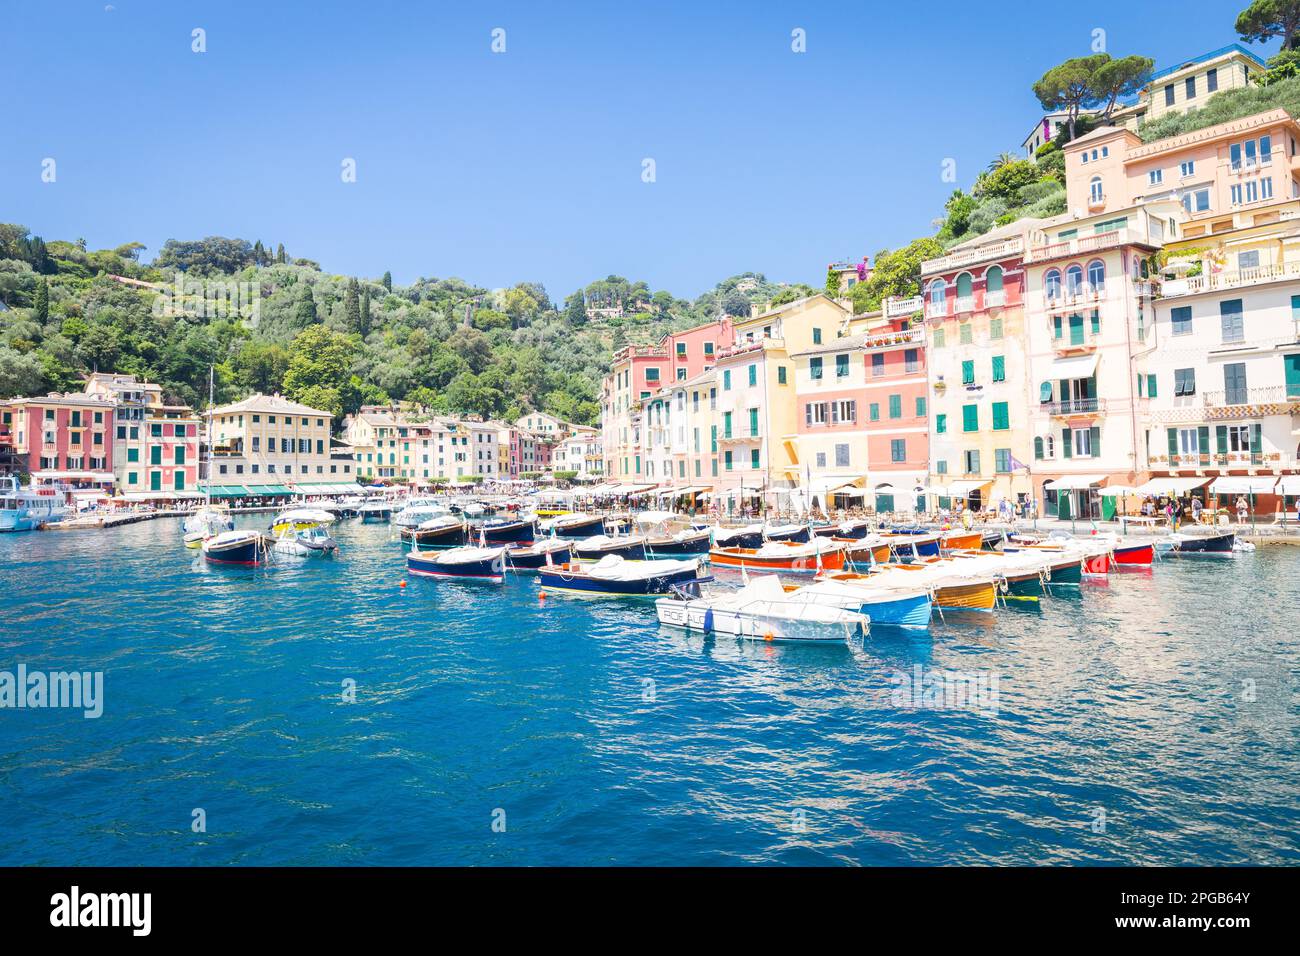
<point x="952" y="589"/>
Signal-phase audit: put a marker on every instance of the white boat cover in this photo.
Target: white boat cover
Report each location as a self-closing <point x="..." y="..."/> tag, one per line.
<point x="721" y="535"/>
<point x="654" y="517"/>
<point x="467" y="555"/>
<point x="613" y="567"/>
<point x="302" y="515"/>
<point x="870" y="591"/>
<point x="442" y="521"/>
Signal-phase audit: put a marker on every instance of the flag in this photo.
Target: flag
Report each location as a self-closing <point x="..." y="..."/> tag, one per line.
<point x="1017" y="463"/>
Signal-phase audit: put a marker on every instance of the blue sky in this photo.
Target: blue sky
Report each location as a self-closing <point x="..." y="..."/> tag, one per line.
<point x="527" y="165"/>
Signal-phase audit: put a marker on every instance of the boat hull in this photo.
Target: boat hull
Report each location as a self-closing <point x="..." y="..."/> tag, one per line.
<point x="526" y="559"/>
<point x="490" y="570"/>
<point x="750" y="539"/>
<point x="1135" y="554"/>
<point x="452" y="537"/>
<point x="245" y="552"/>
<point x="977" y="596"/>
<point x="794" y="564"/>
<point x="900" y="612"/>
<point x="579" y="582"/>
<point x="1219" y="545"/>
<point x="905" y="546"/>
<point x="635" y="551"/>
<point x="961" y="540"/>
<point x="510" y="532"/>
<point x="580" y="529"/>
<point x="694" y="616"/>
<point x="794" y="535"/>
<point x="690" y="545"/>
<point x="863" y="556"/>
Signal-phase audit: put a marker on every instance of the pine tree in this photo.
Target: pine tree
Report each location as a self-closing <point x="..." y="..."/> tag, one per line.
<point x="43" y="301"/>
<point x="352" y="304"/>
<point x="388" y="281"/>
<point x="280" y="257"/>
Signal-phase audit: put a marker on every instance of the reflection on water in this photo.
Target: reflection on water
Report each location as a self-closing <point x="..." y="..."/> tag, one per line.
<point x="1165" y="698"/>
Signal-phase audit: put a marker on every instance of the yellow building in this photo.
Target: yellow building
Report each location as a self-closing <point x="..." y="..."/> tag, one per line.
<point x="268" y="440"/>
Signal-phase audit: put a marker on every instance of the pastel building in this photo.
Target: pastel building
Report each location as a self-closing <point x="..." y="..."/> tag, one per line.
<point x="155" y="444"/>
<point x="639" y="372"/>
<point x="978" y="343"/>
<point x="897" y="412"/>
<point x="694" y="438"/>
<point x="580" y="453"/>
<point x="267" y="444"/>
<point x="1190" y="84"/>
<point x="65" y="440"/>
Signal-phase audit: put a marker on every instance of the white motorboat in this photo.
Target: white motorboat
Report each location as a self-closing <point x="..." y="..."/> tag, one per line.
<point x="764" y="611"/>
<point x="26" y="509"/>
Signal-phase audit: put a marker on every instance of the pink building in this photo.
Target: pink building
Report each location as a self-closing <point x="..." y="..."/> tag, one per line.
<point x="67" y="439"/>
<point x="897" y="419"/>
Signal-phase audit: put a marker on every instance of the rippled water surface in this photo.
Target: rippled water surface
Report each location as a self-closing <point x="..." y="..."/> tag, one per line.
<point x="1148" y="718"/>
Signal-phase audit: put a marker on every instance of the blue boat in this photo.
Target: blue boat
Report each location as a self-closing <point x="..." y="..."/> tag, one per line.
<point x="509" y="531"/>
<point x="750" y="536"/>
<point x="475" y="564"/>
<point x="630" y="548"/>
<point x="680" y="545"/>
<point x="234" y="547"/>
<point x="895" y="607"/>
<point x="797" y="533"/>
<point x="908" y="544"/>
<point x="539" y="554"/>
<point x="612" y="576"/>
<point x="845" y="529"/>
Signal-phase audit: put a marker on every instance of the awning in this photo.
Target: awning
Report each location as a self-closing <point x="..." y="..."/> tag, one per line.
<point x="851" y="491"/>
<point x="1115" y="491"/>
<point x="269" y="490"/>
<point x="633" y="489"/>
<point x="1165" y="486"/>
<point x="1079" y="366"/>
<point x="687" y="490"/>
<point x="1289" y="485"/>
<point x="228" y="491"/>
<point x="823" y="484"/>
<point x="1243" y="485"/>
<point x="49" y="475"/>
<point x="1074" y="482"/>
<point x="960" y="489"/>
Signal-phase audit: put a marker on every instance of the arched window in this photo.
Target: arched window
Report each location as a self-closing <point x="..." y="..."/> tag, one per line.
<point x="938" y="293"/>
<point x="963" y="285"/>
<point x="1052" y="283"/>
<point x="1097" y="274"/>
<point x="1073" y="280"/>
<point x="1094" y="189"/>
<point x="993" y="279"/>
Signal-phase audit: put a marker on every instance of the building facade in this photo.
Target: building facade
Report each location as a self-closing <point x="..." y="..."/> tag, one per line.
<point x="267" y="442"/>
<point x="66" y="440"/>
<point x="155" y="445"/>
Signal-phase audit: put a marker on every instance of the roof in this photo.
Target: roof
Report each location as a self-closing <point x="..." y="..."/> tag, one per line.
<point x="846" y="344"/>
<point x="269" y="403"/>
<point x="1206" y="57"/>
<point x="788" y="306"/>
<point x="55" y="398"/>
<point x="1019" y="227"/>
<point x="1101" y="132"/>
<point x="707" y="376"/>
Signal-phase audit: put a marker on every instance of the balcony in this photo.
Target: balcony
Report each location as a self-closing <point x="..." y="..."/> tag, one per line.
<point x="1075" y="343"/>
<point x="936" y="310"/>
<point x="964" y="303"/>
<point x="1221" y="281"/>
<point x="1084" y="297"/>
<point x="738" y="437"/>
<point x="1082" y="245"/>
<point x="997" y="250"/>
<point x="1250" y="402"/>
<point x="1076" y="406"/>
<point x="914" y="336"/>
<point x="895" y="308"/>
<point x="995" y="300"/>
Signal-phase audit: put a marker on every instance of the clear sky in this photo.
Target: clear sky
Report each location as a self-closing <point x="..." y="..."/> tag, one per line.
<point x="527" y="164"/>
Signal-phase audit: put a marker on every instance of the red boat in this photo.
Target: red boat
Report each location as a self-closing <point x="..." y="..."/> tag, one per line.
<point x="1135" y="554"/>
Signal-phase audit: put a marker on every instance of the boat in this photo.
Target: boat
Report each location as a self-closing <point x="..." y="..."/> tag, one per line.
<point x="475" y="564"/>
<point x="845" y="529"/>
<point x="417" y="511"/>
<point x="883" y="604"/>
<point x="26" y="509"/>
<point x="1022" y="575"/>
<point x="539" y="553"/>
<point x="907" y="544"/>
<point x="786" y="532"/>
<point x="444" y="531"/>
<point x="1127" y="552"/>
<point x="573" y="525"/>
<point x="376" y="512"/>
<point x="865" y="551"/>
<point x="235" y="547"/>
<point x="750" y="536"/>
<point x="508" y="531"/>
<point x="811" y="557"/>
<point x="204" y="523"/>
<point x="955" y="539"/>
<point x="614" y="576"/>
<point x="681" y="544"/>
<point x="953" y="589"/>
<point x="617" y="524"/>
<point x="302" y="533"/>
<point x="628" y="547"/>
<point x="1214" y="544"/>
<point x="762" y="611"/>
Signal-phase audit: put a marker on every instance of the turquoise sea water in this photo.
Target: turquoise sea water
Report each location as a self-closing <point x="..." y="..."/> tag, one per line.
<point x="1163" y="699"/>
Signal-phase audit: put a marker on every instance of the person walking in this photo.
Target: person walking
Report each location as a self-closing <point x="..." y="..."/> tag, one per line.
<point x="1242" y="509"/>
<point x="1196" y="510"/>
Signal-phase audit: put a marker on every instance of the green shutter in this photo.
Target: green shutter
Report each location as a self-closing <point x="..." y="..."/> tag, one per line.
<point x="1292" y="376"/>
<point x="1076" y="329"/>
<point x="1256" y="439"/>
<point x="999" y="368"/>
<point x="1221" y="439"/>
<point x="1067" y="446"/>
<point x="895" y="406"/>
<point x="968" y="372"/>
<point x="1045" y="392"/>
<point x="1173" y="443"/>
<point x="875" y="411"/>
<point x="940" y="423"/>
<point x="1001" y="416"/>
<point x="970" y="418"/>
<point x="1094" y="441"/>
<point x="1151" y="385"/>
<point x="920" y="406"/>
<point x="1038" y="448"/>
<point x="1203" y="439"/>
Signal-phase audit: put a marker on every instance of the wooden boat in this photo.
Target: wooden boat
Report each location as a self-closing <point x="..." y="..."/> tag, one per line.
<point x="235" y="547"/>
<point x="574" y="525"/>
<point x="953" y="589"/>
<point x="628" y="547"/>
<point x="444" y="531"/>
<point x="908" y="544"/>
<point x="762" y="611"/>
<point x="681" y="544"/>
<point x="508" y="531"/>
<point x="474" y="564"/>
<point x="864" y="552"/>
<point x="786" y="532"/>
<point x="750" y="536"/>
<point x="1022" y="574"/>
<point x="539" y="553"/>
<point x="789" y="556"/>
<point x="612" y="576"/>
<point x="884" y="605"/>
<point x="953" y="540"/>
<point x="845" y="529"/>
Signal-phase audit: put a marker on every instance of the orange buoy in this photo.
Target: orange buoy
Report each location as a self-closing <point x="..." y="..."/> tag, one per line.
<point x="541" y="595"/>
<point x="767" y="636"/>
<point x="401" y="584"/>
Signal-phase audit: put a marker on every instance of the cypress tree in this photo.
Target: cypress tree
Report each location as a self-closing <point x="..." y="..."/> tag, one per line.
<point x="43" y="301"/>
<point x="279" y="254"/>
<point x="388" y="281"/>
<point x="304" y="310"/>
<point x="352" y="304"/>
<point x="365" y="311"/>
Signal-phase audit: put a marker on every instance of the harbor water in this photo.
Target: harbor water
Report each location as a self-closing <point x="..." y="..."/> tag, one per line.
<point x="315" y="712"/>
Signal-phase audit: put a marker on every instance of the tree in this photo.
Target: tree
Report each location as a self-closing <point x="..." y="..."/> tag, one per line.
<point x="352" y="304"/>
<point x="42" y="305"/>
<point x="576" y="310"/>
<point x="304" y="307"/>
<point x="387" y="281"/>
<point x="20" y="374"/>
<point x="897" y="273"/>
<point x="365" y="311"/>
<point x="320" y="358"/>
<point x="280" y="256"/>
<point x="832" y="282"/>
<point x="1070" y="86"/>
<point x="1265" y="19"/>
<point x="1117" y="78"/>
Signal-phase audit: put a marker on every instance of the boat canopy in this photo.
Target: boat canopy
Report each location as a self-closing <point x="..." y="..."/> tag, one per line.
<point x="1243" y="485"/>
<point x="1074" y="482"/>
<point x="303" y="515"/>
<point x="1164" y="486"/>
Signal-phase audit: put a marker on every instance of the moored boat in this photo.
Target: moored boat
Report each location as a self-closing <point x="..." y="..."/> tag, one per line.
<point x="538" y="554"/>
<point x="845" y="529"/>
<point x="614" y="576"/>
<point x="26" y="509"/>
<point x="376" y="512"/>
<point x="474" y="564"/>
<point x="762" y="611"/>
<point x="303" y="540"/>
<point x="681" y="544"/>
<point x="750" y="536"/>
<point x="235" y="547"/>
<point x="628" y="547"/>
<point x="444" y="531"/>
<point x="954" y="540"/>
<point x="953" y="589"/>
<point x="509" y="531"/>
<point x="908" y="545"/>
<point x="1213" y="545"/>
<point x="574" y="525"/>
<point x="864" y="552"/>
<point x="811" y="557"/>
<point x="883" y="604"/>
<point x="786" y="532"/>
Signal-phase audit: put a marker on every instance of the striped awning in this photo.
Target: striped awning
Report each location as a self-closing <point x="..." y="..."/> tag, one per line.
<point x="229" y="491"/>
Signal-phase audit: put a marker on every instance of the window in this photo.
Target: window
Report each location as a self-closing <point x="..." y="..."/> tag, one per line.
<point x="1188" y="441"/>
<point x="1196" y="201"/>
<point x="941" y="467"/>
<point x="895" y="406"/>
<point x="726" y="380"/>
<point x="1169" y="95"/>
<point x="970" y="418"/>
<point x="1002" y="460"/>
<point x="873" y="410"/>
<point x="911" y="360"/>
<point x="1001" y="417"/>
<point x="1052" y="284"/>
<point x="938" y="338"/>
<point x="968" y="372"/>
<point x="651" y="375"/>
<point x="1184" y="381"/>
<point x="841" y="366"/>
<point x="1231" y="321"/>
<point x="1265" y="150"/>
<point x="938" y="295"/>
<point x="993" y="280"/>
<point x="898" y="449"/>
<point x="780" y="378"/>
<point x="841" y="456"/>
<point x="995" y="329"/>
<point x="821" y="459"/>
<point x="971" y="461"/>
<point x="877" y="365"/>
<point x="1187" y="168"/>
<point x="1234" y="383"/>
<point x="999" y="368"/>
<point x="753" y="422"/>
<point x="681" y="375"/>
<point x="1094" y="190"/>
<point x="920" y="406"/>
<point x="726" y="457"/>
<point x="1155" y="177"/>
<point x="844" y="412"/>
<point x="940" y="424"/>
<point x="1097" y="275"/>
<point x="1211" y="80"/>
<point x="1073" y="280"/>
<point x="681" y="350"/>
<point x="1181" y="319"/>
<point x="753" y="375"/>
<point x="753" y="458"/>
<point x="726" y="424"/>
<point x="965" y="334"/>
<point x="1190" y="85"/>
<point x="814" y="413"/>
<point x="817" y="336"/>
